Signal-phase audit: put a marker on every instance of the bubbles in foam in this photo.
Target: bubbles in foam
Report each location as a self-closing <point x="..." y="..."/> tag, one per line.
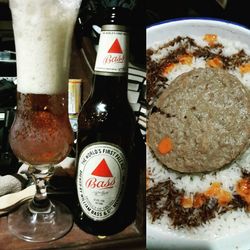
<point x="43" y="31"/>
<point x="71" y="3"/>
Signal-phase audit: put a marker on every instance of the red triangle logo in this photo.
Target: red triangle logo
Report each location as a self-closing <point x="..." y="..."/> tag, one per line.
<point x="116" y="47"/>
<point x="102" y="170"/>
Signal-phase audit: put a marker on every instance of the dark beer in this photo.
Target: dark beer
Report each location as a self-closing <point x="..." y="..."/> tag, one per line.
<point x="106" y="178"/>
<point x="41" y="134"/>
<point x="41" y="131"/>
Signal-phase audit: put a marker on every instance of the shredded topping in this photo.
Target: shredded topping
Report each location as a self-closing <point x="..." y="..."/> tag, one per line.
<point x="188" y="211"/>
<point x="186" y="50"/>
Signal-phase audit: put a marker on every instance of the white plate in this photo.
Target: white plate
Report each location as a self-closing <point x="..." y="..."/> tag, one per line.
<point x="157" y="240"/>
<point x="170" y="29"/>
<point x="159" y="33"/>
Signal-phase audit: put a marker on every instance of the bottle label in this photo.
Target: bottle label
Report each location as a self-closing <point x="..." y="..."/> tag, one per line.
<point x="101" y="179"/>
<point x="112" y="56"/>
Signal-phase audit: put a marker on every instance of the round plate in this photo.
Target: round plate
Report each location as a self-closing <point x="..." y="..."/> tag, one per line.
<point x="158" y="34"/>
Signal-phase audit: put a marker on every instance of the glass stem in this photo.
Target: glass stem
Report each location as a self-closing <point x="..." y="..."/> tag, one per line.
<point x="40" y="175"/>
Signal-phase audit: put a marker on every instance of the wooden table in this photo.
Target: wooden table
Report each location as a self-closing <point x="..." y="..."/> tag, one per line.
<point x="133" y="237"/>
<point x="130" y="238"/>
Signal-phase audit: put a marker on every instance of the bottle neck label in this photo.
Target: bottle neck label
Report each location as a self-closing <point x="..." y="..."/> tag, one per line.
<point x="101" y="180"/>
<point x="112" y="56"/>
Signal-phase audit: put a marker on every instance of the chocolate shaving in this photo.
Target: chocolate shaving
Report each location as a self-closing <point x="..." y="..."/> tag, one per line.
<point x="237" y="202"/>
<point x="158" y="110"/>
<point x="166" y="198"/>
<point x="245" y="173"/>
<point x="155" y="195"/>
<point x="186" y="45"/>
<point x="181" y="217"/>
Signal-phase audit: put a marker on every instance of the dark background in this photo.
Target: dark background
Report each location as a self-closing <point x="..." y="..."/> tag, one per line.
<point x="144" y="13"/>
<point x="235" y="10"/>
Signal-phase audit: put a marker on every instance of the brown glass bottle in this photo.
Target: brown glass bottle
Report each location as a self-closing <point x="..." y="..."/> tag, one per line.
<point x="105" y="178"/>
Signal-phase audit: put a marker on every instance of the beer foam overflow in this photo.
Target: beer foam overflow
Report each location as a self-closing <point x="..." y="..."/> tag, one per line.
<point x="35" y="73"/>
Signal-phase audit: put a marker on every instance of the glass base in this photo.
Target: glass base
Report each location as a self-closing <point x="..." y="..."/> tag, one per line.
<point x="41" y="226"/>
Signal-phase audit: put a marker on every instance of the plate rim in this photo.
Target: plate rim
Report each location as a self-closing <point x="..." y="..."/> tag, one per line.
<point x="199" y="18"/>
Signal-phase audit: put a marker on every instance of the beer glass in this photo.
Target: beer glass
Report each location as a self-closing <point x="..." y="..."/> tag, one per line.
<point x="41" y="134"/>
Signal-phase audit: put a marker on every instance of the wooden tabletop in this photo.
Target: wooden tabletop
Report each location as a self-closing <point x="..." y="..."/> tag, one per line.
<point x="130" y="238"/>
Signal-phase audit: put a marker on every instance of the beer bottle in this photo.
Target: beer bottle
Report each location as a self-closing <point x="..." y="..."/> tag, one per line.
<point x="105" y="140"/>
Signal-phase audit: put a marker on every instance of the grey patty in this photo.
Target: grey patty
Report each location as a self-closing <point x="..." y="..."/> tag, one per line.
<point x="205" y="112"/>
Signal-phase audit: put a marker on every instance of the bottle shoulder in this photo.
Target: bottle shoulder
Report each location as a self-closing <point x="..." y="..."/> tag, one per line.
<point x="113" y="109"/>
<point x="111" y="125"/>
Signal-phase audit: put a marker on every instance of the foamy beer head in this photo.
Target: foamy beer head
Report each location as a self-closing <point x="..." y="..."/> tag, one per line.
<point x="43" y="31"/>
<point x="41" y="132"/>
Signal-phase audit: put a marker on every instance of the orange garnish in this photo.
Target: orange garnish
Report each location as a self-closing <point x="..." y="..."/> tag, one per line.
<point x="215" y="63"/>
<point x="213" y="190"/>
<point x="185" y="59"/>
<point x="224" y="198"/>
<point x="186" y="202"/>
<point x="168" y="68"/>
<point x="245" y="68"/>
<point x="243" y="189"/>
<point x="199" y="200"/>
<point x="210" y="38"/>
<point x="165" y="145"/>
